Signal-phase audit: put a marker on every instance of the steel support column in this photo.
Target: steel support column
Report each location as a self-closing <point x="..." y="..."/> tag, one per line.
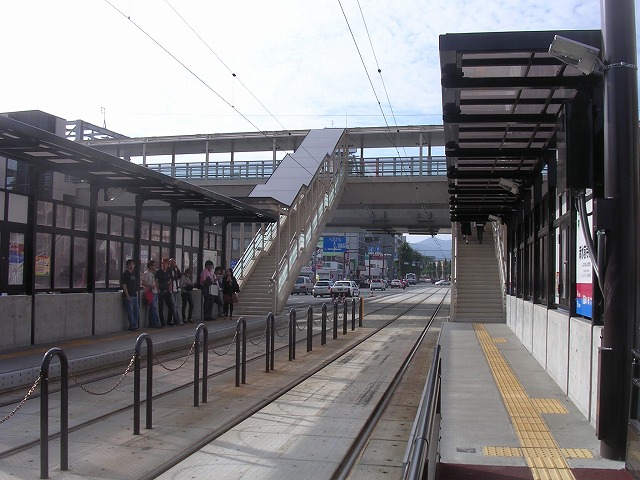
<point x="621" y="260"/>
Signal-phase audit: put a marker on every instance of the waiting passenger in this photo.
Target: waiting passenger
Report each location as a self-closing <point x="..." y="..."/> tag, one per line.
<point x="151" y="294"/>
<point x="186" y="286"/>
<point x="130" y="295"/>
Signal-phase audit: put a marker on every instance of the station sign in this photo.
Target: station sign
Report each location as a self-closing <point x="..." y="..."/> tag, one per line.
<point x="584" y="273"/>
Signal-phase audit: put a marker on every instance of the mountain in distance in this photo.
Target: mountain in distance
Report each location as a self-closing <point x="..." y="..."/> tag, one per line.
<point x="435" y="247"/>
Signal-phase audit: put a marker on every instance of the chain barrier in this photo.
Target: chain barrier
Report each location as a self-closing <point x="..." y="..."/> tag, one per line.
<point x="24" y="400"/>
<point x="235" y="338"/>
<point x="260" y="338"/>
<point x="304" y="326"/>
<point x="91" y="392"/>
<point x="284" y="335"/>
<point x="179" y="366"/>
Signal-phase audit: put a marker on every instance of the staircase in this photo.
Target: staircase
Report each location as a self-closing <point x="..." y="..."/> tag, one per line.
<point x="270" y="265"/>
<point x="477" y="291"/>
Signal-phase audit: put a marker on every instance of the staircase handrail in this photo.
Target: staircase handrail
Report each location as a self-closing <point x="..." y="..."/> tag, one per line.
<point x="333" y="168"/>
<point x="259" y="245"/>
<point x="502" y="268"/>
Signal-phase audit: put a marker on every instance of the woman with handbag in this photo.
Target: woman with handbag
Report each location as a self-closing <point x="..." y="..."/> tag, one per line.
<point x="186" y="285"/>
<point x="230" y="290"/>
<point x="150" y="286"/>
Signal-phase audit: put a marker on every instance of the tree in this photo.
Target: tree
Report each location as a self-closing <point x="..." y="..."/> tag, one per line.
<point x="409" y="260"/>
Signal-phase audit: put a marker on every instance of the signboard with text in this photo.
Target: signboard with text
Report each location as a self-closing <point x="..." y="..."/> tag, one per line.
<point x="584" y="271"/>
<point x="334" y="244"/>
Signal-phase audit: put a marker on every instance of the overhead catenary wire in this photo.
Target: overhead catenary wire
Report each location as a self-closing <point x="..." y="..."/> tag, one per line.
<point x="375" y="57"/>
<point x="344" y="14"/>
<point x="201" y="80"/>
<point x="233" y="74"/>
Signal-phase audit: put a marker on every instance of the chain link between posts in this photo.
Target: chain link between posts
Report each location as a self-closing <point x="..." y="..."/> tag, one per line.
<point x="233" y="342"/>
<point x="169" y="369"/>
<point x="285" y="334"/>
<point x="90" y="392"/>
<point x="24" y="400"/>
<point x="263" y="336"/>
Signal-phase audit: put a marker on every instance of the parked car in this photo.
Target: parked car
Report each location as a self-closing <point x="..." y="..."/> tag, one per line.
<point x="303" y="285"/>
<point x="443" y="282"/>
<point x="377" y="284"/>
<point x="322" y="288"/>
<point x="395" y="283"/>
<point x="345" y="288"/>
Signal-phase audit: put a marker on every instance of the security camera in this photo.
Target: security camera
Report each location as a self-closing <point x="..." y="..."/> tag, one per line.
<point x="583" y="57"/>
<point x="494" y="218"/>
<point x="510" y="185"/>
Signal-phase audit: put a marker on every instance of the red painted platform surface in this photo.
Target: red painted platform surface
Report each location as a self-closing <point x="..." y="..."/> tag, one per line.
<point x="451" y="471"/>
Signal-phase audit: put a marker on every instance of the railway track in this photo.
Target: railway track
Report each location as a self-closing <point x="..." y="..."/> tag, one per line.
<point x="173" y="384"/>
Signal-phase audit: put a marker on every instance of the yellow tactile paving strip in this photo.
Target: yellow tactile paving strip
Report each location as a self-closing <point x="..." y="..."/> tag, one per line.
<point x="542" y="454"/>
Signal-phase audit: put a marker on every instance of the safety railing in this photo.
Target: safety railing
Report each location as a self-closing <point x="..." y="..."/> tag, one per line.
<point x="262" y="169"/>
<point x="250" y="170"/>
<point x="421" y="454"/>
<point x="201" y="336"/>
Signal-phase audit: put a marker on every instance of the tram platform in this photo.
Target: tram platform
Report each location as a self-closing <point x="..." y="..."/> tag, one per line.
<point x="504" y="417"/>
<point x="20" y="367"/>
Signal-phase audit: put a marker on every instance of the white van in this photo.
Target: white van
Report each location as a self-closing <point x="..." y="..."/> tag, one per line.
<point x="303" y="285"/>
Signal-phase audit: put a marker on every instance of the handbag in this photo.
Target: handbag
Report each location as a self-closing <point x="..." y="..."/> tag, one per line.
<point x="148" y="296"/>
<point x="213" y="289"/>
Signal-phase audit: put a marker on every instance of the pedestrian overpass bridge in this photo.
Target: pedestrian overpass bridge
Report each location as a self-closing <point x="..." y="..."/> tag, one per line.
<point x="362" y="179"/>
<point x="393" y="182"/>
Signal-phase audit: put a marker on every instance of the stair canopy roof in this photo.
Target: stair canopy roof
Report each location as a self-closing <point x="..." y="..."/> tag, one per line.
<point x="502" y="94"/>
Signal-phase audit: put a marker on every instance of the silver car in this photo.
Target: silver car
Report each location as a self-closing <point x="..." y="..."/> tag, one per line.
<point x="322" y="288"/>
<point x="303" y="285"/>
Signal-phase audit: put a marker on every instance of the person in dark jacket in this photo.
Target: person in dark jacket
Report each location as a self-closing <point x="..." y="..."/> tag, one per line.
<point x="230" y="290"/>
<point x="480" y="230"/>
<point x="465" y="229"/>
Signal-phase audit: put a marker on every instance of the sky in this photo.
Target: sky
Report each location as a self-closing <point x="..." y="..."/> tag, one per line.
<point x="158" y="67"/>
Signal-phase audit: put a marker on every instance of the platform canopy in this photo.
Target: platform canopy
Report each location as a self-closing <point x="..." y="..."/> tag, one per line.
<point x="502" y="94"/>
<point x="51" y="153"/>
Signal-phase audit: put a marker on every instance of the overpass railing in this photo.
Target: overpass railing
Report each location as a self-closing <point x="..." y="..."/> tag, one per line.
<point x="261" y="169"/>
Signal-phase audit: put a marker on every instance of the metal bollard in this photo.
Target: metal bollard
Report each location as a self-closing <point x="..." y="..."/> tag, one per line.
<point x="310" y="329"/>
<point x="323" y="328"/>
<point x="361" y="312"/>
<point x="353" y="314"/>
<point x="44" y="411"/>
<point x="241" y="360"/>
<point x="136" y="383"/>
<point x="335" y="321"/>
<point x="344" y="317"/>
<point x="205" y="364"/>
<point x="292" y="334"/>
<point x="270" y="342"/>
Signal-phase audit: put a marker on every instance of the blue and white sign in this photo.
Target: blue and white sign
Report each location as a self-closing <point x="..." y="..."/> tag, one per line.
<point x="334" y="244"/>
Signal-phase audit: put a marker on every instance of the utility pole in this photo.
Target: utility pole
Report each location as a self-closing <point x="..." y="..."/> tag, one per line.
<point x="622" y="231"/>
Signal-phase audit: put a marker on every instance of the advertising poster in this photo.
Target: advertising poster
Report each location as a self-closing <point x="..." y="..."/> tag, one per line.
<point x="42" y="265"/>
<point x="16" y="259"/>
<point x="584" y="272"/>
